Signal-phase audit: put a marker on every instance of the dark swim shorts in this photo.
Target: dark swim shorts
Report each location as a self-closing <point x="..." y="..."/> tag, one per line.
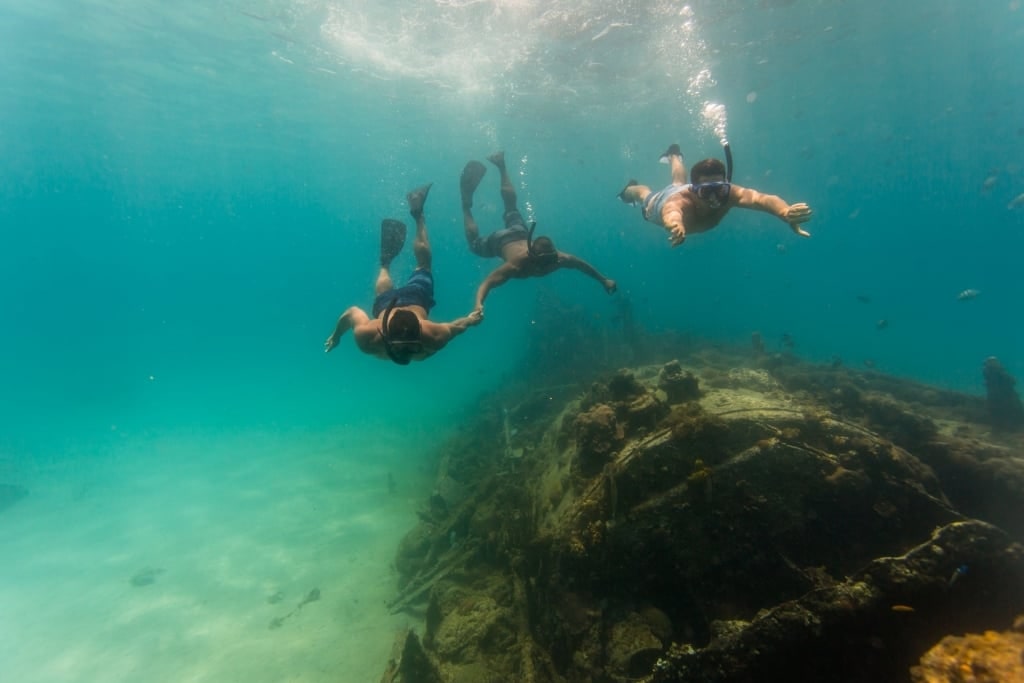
<point x="417" y="291"/>
<point x="514" y="231"/>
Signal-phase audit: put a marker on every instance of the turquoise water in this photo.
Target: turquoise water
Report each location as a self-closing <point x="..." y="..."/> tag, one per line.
<point x="192" y="193"/>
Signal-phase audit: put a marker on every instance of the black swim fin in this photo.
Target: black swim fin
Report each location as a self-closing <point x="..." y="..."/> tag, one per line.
<point x="673" y="150"/>
<point x="417" y="198"/>
<point x="622" y="195"/>
<point x="392" y="239"/>
<point x="498" y="158"/>
<point x="468" y="181"/>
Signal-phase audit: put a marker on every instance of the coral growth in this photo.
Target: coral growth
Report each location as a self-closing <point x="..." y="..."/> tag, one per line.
<point x="989" y="657"/>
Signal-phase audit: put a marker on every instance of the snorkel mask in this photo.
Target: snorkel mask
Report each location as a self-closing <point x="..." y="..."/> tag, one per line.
<point x="717" y="193"/>
<point x="402" y="351"/>
<point x="538" y="257"/>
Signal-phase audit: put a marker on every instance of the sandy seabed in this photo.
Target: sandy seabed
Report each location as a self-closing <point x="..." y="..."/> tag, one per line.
<point x="185" y="558"/>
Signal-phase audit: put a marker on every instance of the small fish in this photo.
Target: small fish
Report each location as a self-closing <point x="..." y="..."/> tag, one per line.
<point x="788" y="341"/>
<point x="989" y="183"/>
<point x="881" y="324"/>
<point x="313" y="596"/>
<point x="957" y="573"/>
<point x="864" y="298"/>
<point x="146" y="577"/>
<point x="902" y="608"/>
<point x="1016" y="202"/>
<point x="967" y="295"/>
<point x="868" y="363"/>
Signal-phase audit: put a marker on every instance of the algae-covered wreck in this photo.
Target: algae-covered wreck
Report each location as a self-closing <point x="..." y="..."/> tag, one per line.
<point x="714" y="518"/>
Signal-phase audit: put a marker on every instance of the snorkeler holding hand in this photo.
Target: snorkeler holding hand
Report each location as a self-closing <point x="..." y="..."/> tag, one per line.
<point x="400" y="329"/>
<point x="700" y="205"/>
<point x="524" y="256"/>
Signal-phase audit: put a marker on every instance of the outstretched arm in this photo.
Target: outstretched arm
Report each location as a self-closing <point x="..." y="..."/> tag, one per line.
<point x="570" y="261"/>
<point x="460" y="325"/>
<point x="793" y="214"/>
<point x="497" y="278"/>
<point x="350" y="318"/>
<point x="437" y="335"/>
<point x="672" y="217"/>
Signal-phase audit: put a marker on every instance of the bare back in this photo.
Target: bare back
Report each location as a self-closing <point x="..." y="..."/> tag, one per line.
<point x="516" y="252"/>
<point x="433" y="336"/>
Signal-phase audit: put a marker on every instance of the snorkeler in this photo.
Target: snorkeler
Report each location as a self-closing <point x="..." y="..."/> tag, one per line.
<point x="699" y="206"/>
<point x="400" y="329"/>
<point x="524" y="256"/>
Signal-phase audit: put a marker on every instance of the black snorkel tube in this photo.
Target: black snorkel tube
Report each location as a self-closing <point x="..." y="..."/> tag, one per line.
<point x="529" y="238"/>
<point x="728" y="161"/>
<point x="385" y="324"/>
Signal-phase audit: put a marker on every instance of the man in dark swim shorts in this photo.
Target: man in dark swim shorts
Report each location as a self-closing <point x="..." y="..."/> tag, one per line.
<point x="524" y="256"/>
<point x="399" y="328"/>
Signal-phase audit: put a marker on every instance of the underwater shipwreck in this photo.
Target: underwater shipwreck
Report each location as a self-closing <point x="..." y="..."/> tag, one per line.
<point x="719" y="515"/>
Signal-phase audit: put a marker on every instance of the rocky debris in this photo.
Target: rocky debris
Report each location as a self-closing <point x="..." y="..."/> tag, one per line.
<point x="409" y="663"/>
<point x="779" y="522"/>
<point x="679" y="385"/>
<point x="598" y="435"/>
<point x="1004" y="407"/>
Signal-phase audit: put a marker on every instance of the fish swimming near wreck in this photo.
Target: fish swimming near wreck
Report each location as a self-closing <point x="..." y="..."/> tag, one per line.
<point x="967" y="295"/>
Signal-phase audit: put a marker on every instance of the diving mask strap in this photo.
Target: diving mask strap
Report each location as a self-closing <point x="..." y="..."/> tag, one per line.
<point x="728" y="161"/>
<point x="385" y="322"/>
<point x="385" y="327"/>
